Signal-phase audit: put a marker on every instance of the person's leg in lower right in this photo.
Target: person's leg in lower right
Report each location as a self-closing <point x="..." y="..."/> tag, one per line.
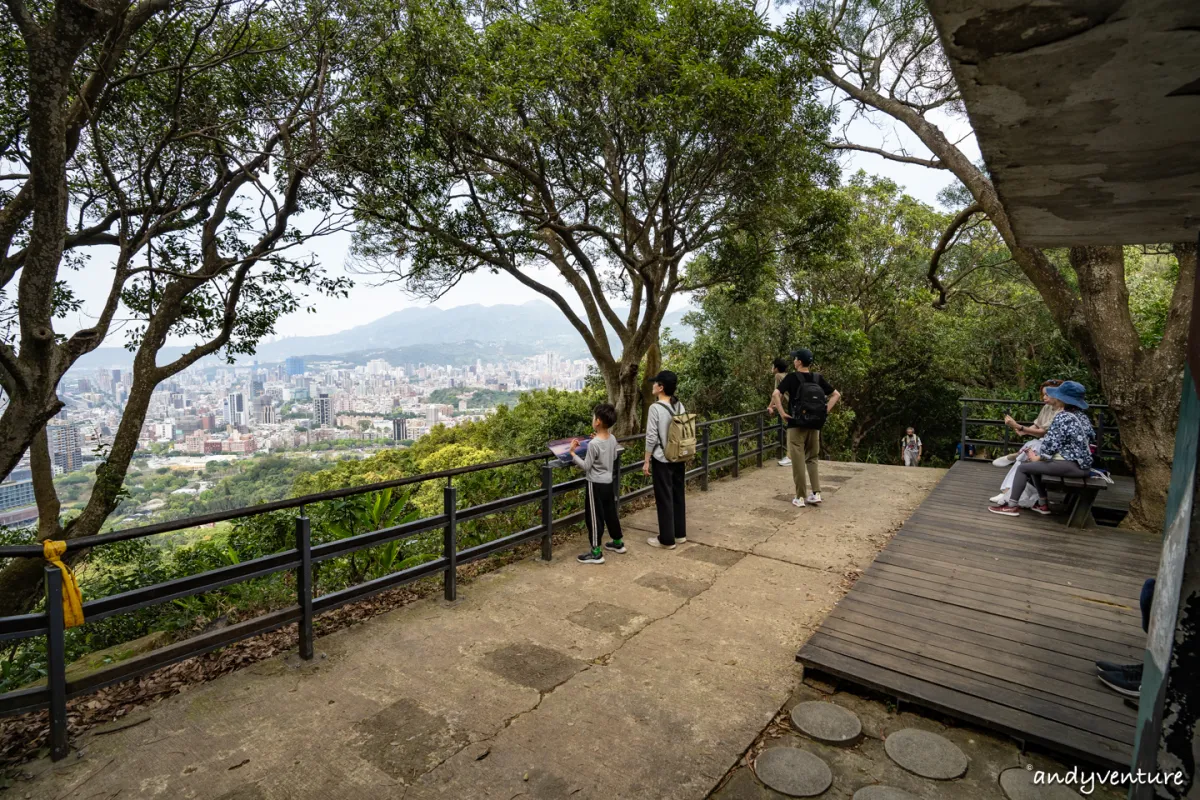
<point x="1146" y="600"/>
<point x="795" y="442"/>
<point x="664" y="501"/>
<point x="812" y="452"/>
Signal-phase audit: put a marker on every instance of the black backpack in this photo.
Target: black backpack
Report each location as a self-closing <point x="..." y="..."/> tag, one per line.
<point x="808" y="406"/>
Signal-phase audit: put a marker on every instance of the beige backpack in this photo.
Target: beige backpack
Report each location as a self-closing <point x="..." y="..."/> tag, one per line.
<point x="681" y="437"/>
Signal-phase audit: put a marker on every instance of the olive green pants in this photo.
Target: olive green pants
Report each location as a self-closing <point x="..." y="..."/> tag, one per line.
<point x="804" y="448"/>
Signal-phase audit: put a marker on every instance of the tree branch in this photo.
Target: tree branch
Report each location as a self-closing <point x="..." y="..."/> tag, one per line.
<point x="932" y="163"/>
<point x="943" y="244"/>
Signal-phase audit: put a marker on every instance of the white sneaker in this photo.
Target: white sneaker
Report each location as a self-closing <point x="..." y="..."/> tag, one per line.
<point x="785" y="462"/>
<point x="1000" y="499"/>
<point x="1005" y="460"/>
<point x="797" y="502"/>
<point x="814" y="497"/>
<point x="654" y="542"/>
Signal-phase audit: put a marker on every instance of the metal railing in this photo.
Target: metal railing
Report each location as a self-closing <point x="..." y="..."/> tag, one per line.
<point x="304" y="555"/>
<point x="1107" y="435"/>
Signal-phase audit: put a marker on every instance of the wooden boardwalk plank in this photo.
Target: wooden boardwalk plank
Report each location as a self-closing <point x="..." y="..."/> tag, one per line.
<point x="997" y="621"/>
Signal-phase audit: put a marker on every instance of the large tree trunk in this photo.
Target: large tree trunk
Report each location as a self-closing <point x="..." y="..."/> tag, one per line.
<point x="1142" y="385"/>
<point x="621" y="383"/>
<point x="653" y="367"/>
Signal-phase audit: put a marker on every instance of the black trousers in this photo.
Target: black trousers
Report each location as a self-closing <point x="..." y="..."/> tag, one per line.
<point x="600" y="510"/>
<point x="668" y="499"/>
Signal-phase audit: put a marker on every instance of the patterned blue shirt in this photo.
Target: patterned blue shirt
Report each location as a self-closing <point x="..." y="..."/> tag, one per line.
<point x="1069" y="436"/>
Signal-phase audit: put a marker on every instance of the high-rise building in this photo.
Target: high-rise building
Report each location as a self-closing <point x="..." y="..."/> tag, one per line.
<point x="294" y="365"/>
<point x="235" y="406"/>
<point x="323" y="410"/>
<point x="265" y="411"/>
<point x="178" y="402"/>
<point x="256" y="388"/>
<point x="65" y="445"/>
<point x="432" y="415"/>
<point x="400" y="429"/>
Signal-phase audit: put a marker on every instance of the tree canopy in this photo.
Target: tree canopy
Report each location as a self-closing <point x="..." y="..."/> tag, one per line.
<point x="604" y="143"/>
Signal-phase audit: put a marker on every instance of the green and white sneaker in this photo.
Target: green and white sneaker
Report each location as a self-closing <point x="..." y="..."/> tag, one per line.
<point x="617" y="546"/>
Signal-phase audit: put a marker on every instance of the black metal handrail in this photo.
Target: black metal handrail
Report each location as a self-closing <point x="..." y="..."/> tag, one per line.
<point x="301" y="558"/>
<point x="1104" y="424"/>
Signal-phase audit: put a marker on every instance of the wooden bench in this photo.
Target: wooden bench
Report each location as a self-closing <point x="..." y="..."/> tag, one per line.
<point x="1081" y="496"/>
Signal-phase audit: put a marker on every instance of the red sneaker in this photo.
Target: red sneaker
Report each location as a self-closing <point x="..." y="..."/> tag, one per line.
<point x="1043" y="509"/>
<point x="1008" y="511"/>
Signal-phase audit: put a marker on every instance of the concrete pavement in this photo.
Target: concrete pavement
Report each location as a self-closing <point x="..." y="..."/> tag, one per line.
<point x="648" y="676"/>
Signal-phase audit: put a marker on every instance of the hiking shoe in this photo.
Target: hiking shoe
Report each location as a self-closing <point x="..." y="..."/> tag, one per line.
<point x="1006" y="510"/>
<point x="654" y="542"/>
<point x="1041" y="508"/>
<point x="1130" y="687"/>
<point x="591" y="557"/>
<point x="1130" y="671"/>
<point x="797" y="502"/>
<point x="785" y="462"/>
<point x="813" y="498"/>
<point x="616" y="547"/>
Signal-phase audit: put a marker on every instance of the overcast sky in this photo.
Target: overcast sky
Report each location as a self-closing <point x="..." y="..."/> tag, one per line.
<point x="369" y="301"/>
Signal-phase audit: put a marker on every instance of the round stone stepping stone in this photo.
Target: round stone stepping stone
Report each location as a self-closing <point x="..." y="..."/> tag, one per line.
<point x="794" y="772"/>
<point x="1018" y="784"/>
<point x="926" y="754"/>
<point x="883" y="793"/>
<point x="827" y="722"/>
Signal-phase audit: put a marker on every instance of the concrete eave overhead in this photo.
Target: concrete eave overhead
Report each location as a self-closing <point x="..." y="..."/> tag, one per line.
<point x="1087" y="113"/>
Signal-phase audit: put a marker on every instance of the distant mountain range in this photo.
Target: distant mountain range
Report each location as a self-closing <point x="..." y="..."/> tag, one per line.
<point x="421" y="334"/>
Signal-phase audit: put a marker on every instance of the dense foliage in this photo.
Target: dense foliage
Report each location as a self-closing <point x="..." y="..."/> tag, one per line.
<point x="867" y="311"/>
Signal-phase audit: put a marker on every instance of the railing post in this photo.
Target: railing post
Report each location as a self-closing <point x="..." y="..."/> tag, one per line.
<point x="547" y="510"/>
<point x="962" y="445"/>
<point x="760" y="439"/>
<point x="450" y="542"/>
<point x="56" y="664"/>
<point x="737" y="446"/>
<point x="1007" y="431"/>
<point x="617" y="477"/>
<point x="704" y="459"/>
<point x="1099" y="433"/>
<point x="304" y="591"/>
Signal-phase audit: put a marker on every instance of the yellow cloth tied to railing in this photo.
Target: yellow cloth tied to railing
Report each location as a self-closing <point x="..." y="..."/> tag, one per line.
<point x="72" y="598"/>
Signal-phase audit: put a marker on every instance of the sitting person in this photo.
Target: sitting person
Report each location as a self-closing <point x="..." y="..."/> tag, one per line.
<point x="1012" y="460"/>
<point x="1065" y="450"/>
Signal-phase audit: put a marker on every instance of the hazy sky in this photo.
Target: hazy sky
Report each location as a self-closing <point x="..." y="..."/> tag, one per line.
<point x="369" y="301"/>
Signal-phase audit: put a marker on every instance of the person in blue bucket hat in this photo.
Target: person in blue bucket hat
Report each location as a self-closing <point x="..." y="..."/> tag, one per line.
<point x="1065" y="451"/>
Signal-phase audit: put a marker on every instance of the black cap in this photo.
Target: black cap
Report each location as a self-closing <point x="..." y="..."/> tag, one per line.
<point x="803" y="355"/>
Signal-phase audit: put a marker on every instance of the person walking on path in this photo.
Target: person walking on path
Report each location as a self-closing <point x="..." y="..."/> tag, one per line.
<point x="668" y="476"/>
<point x="1065" y="450"/>
<point x="779" y="370"/>
<point x="600" y="500"/>
<point x="810" y="399"/>
<point x="911" y="448"/>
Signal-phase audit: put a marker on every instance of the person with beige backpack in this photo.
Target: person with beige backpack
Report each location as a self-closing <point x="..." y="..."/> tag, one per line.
<point x="670" y="446"/>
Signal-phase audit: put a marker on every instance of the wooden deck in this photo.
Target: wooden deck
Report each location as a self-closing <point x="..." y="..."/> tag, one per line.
<point x="997" y="621"/>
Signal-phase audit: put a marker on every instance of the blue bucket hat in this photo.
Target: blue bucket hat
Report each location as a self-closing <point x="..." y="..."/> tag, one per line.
<point x="1070" y="392"/>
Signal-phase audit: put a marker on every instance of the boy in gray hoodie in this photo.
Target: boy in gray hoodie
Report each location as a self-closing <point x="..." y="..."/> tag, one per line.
<point x="600" y="499"/>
